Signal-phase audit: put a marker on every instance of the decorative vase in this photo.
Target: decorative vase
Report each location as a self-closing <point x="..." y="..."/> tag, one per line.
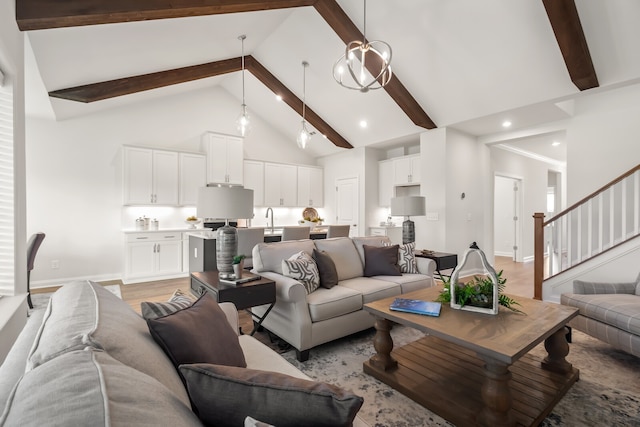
<point x="237" y="269"/>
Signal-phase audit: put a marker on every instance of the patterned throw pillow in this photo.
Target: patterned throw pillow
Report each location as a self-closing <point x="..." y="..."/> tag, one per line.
<point x="178" y="301"/>
<point x="407" y="258"/>
<point x="303" y="268"/>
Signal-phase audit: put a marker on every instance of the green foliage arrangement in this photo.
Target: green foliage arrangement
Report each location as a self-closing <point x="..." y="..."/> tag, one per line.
<point x="238" y="259"/>
<point x="478" y="292"/>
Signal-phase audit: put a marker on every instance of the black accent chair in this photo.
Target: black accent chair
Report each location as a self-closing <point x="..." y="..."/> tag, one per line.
<point x="32" y="249"/>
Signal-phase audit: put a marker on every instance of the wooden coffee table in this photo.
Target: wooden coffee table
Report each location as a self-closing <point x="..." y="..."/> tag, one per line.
<point x="474" y="368"/>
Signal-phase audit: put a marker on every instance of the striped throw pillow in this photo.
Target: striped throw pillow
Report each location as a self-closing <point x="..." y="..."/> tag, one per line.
<point x="154" y="310"/>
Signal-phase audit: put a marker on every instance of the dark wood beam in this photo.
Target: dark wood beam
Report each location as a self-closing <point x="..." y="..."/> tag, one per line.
<point x="128" y="85"/>
<point x="125" y="86"/>
<point x="270" y="81"/>
<point x="567" y="28"/>
<point x="43" y="14"/>
<point x="339" y="21"/>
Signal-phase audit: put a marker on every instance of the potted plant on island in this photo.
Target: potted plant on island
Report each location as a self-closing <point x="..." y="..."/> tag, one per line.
<point x="238" y="265"/>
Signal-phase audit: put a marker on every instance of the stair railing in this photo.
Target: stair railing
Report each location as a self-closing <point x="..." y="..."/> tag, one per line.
<point x="599" y="222"/>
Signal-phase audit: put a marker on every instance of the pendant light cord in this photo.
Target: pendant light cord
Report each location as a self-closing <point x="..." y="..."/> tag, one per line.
<point x="242" y="37"/>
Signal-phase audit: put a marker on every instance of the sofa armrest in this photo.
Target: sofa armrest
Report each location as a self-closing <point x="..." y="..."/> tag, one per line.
<point x="287" y="289"/>
<point x="229" y="309"/>
<point x="427" y="266"/>
<point x="590" y="288"/>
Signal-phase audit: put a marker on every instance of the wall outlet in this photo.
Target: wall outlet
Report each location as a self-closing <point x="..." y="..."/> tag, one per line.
<point x="55" y="264"/>
<point x="432" y="216"/>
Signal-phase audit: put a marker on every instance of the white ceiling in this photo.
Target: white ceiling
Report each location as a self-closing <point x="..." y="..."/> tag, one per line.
<point x="469" y="64"/>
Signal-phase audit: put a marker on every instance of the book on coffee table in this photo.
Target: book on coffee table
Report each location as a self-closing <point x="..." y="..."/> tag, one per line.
<point x="246" y="277"/>
<point x="416" y="306"/>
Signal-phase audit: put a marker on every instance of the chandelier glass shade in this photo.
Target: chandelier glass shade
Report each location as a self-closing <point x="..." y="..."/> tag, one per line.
<point x="365" y="65"/>
<point x="243" y="123"/>
<point x="304" y="136"/>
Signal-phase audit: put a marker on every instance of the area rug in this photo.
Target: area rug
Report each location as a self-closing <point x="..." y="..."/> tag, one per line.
<point x="607" y="394"/>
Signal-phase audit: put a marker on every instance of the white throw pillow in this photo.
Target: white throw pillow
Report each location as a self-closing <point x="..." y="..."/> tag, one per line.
<point x="302" y="267"/>
<point x="406" y="258"/>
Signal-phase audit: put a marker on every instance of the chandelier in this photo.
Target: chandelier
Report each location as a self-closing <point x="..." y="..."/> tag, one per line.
<point x="243" y="124"/>
<point x="359" y="58"/>
<point x="304" y="135"/>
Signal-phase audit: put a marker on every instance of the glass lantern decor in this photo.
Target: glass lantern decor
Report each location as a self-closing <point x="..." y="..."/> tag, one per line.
<point x="482" y="296"/>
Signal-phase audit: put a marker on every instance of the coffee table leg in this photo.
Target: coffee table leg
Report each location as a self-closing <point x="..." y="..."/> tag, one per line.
<point x="496" y="395"/>
<point x="383" y="344"/>
<point x="557" y="349"/>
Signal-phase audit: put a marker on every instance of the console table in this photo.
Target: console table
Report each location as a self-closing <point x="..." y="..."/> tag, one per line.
<point x="243" y="295"/>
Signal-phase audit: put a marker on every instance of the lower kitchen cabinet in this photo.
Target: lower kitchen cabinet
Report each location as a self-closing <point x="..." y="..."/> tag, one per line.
<point x="153" y="255"/>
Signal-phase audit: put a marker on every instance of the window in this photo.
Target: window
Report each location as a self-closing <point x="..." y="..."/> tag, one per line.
<point x="7" y="239"/>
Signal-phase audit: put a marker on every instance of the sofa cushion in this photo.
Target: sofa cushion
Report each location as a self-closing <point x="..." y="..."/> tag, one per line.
<point x="178" y="301"/>
<point x="408" y="282"/>
<point x="302" y="267"/>
<point x="372" y="289"/>
<point x="359" y="242"/>
<point x="269" y="256"/>
<point x="619" y="310"/>
<point x="344" y="255"/>
<point x="198" y="334"/>
<point x="326" y="268"/>
<point x="381" y="261"/>
<point x="406" y="258"/>
<point x="329" y="303"/>
<point x="84" y="313"/>
<point x="90" y="388"/>
<point x="225" y="396"/>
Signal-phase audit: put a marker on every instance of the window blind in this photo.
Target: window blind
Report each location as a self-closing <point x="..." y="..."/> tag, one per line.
<point x="7" y="189"/>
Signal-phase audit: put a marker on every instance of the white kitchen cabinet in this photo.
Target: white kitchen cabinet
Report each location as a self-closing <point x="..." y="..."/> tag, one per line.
<point x="153" y="255"/>
<point x="150" y="176"/>
<point x="310" y="186"/>
<point x="280" y="185"/>
<point x="385" y="182"/>
<point x="254" y="180"/>
<point x="224" y="158"/>
<point x="393" y="233"/>
<point x="406" y="170"/>
<point x="193" y="175"/>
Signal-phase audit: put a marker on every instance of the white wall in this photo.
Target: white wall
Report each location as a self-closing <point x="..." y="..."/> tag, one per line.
<point x="74" y="175"/>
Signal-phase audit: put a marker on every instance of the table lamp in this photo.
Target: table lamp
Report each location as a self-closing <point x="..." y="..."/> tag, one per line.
<point x="225" y="202"/>
<point x="408" y="206"/>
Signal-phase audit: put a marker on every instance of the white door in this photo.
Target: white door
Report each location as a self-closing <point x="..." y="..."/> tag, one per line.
<point x="165" y="177"/>
<point x="138" y="176"/>
<point x="193" y="175"/>
<point x="347" y="204"/>
<point x="169" y="257"/>
<point x="506" y="216"/>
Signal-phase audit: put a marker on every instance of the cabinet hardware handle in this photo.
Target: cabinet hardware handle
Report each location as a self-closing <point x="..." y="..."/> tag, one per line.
<point x="141" y="238"/>
<point x="158" y="247"/>
<point x="169" y="237"/>
<point x="154" y="248"/>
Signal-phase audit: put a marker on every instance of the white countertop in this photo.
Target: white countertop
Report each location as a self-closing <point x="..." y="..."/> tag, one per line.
<point x="161" y="230"/>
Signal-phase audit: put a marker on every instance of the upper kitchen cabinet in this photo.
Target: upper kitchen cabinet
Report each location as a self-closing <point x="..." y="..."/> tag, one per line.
<point x="150" y="176"/>
<point x="193" y="175"/>
<point x="406" y="170"/>
<point x="385" y="182"/>
<point x="224" y="158"/>
<point x="254" y="180"/>
<point x="310" y="186"/>
<point x="280" y="185"/>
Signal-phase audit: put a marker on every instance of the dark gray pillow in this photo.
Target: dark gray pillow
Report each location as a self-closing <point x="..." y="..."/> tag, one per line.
<point x="326" y="268"/>
<point x="198" y="334"/>
<point x="381" y="261"/>
<point x="225" y="396"/>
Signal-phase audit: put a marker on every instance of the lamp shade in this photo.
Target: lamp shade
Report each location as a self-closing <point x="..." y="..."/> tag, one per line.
<point x="225" y="202"/>
<point x="408" y="206"/>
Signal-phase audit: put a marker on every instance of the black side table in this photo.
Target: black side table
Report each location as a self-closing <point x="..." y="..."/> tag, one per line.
<point x="243" y="295"/>
<point x="444" y="261"/>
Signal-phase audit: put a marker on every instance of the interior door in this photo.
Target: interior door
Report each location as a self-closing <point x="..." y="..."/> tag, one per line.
<point x="347" y="204"/>
<point x="506" y="214"/>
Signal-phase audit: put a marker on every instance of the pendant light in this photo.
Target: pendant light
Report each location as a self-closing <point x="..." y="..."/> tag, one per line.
<point x="304" y="135"/>
<point x="243" y="124"/>
<point x="357" y="57"/>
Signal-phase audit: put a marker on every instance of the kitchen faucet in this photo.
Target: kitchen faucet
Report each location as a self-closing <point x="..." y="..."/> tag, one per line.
<point x="267" y="216"/>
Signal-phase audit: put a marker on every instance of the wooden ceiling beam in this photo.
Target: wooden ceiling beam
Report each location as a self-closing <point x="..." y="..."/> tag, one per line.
<point x="564" y="19"/>
<point x="340" y="22"/>
<point x="276" y="86"/>
<point x="44" y="14"/>
<point x="128" y="85"/>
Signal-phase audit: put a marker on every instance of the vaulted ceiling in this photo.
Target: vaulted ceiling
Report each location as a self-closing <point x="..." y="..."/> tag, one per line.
<point x="459" y="63"/>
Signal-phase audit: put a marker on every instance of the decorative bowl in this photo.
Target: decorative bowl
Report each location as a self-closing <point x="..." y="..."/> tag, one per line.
<point x="192" y="223"/>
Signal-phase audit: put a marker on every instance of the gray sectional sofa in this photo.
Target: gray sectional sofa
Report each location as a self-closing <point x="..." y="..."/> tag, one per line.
<point x="306" y="320"/>
<point x="608" y="311"/>
<point x="91" y="360"/>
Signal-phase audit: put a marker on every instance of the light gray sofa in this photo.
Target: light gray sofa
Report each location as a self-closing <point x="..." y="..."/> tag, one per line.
<point x="113" y="374"/>
<point x="608" y="311"/>
<point x="305" y="321"/>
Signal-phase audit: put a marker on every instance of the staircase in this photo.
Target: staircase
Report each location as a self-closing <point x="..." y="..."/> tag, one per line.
<point x="602" y="226"/>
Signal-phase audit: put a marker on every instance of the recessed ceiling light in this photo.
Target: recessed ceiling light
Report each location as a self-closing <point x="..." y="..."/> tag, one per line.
<point x="555" y="143"/>
<point x="278" y="98"/>
<point x="363" y="124"/>
<point x="506" y="124"/>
